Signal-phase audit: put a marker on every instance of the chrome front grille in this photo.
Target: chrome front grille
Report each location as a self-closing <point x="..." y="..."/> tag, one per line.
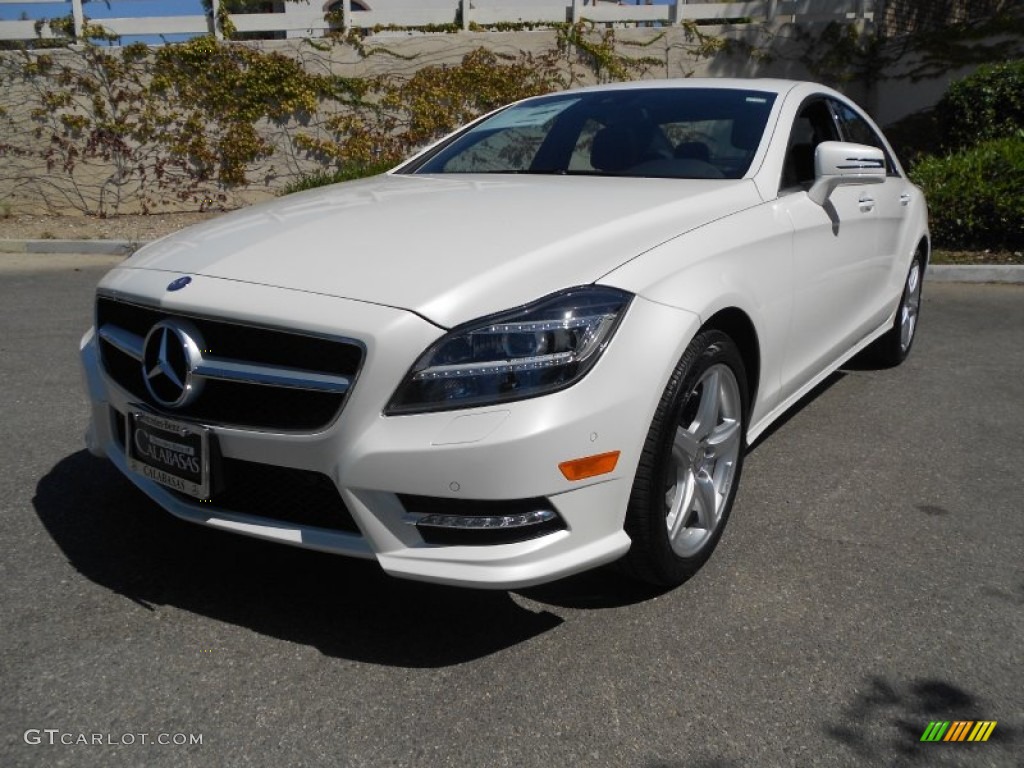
<point x="243" y="375"/>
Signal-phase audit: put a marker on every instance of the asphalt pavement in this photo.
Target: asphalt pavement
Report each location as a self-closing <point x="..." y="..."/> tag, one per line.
<point x="870" y="582"/>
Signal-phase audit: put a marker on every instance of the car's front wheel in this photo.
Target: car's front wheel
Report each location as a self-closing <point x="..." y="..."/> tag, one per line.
<point x="690" y="465"/>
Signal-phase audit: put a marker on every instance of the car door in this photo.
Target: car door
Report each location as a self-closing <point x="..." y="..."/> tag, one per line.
<point x="893" y="201"/>
<point x="835" y="254"/>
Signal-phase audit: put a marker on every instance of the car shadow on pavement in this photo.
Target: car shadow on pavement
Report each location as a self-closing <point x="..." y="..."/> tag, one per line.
<point x="604" y="587"/>
<point x="114" y="536"/>
<point x="830" y="381"/>
<point x="885" y="720"/>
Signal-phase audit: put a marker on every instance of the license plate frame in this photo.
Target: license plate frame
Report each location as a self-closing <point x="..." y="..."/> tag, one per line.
<point x="173" y="453"/>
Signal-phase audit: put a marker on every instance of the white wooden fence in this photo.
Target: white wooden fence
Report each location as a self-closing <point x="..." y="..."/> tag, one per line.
<point x="311" y="20"/>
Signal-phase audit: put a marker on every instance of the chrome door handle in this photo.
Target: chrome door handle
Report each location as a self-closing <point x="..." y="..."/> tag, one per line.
<point x="905" y="199"/>
<point x="866" y="203"/>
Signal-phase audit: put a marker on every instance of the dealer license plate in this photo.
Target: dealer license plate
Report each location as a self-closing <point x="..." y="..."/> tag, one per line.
<point x="172" y="453"/>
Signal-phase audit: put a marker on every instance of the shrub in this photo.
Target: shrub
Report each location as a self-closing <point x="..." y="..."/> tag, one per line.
<point x="976" y="196"/>
<point x="916" y="136"/>
<point x="400" y="115"/>
<point x="347" y="173"/>
<point x="988" y="104"/>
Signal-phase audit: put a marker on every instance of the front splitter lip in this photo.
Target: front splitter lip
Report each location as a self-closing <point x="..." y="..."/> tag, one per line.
<point x="500" y="566"/>
<point x="419" y="566"/>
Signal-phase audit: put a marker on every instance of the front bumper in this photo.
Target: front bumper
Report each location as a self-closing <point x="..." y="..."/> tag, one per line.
<point x="496" y="453"/>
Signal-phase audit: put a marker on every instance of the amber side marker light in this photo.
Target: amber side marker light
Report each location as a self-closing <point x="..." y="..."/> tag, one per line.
<point x="589" y="466"/>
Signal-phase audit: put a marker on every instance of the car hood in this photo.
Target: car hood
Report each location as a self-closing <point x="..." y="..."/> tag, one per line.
<point x="450" y="248"/>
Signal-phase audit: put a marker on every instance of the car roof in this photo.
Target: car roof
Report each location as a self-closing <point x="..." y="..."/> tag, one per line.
<point x="768" y="85"/>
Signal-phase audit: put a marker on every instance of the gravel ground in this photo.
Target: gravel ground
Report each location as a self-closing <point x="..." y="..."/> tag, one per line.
<point x="131" y="227"/>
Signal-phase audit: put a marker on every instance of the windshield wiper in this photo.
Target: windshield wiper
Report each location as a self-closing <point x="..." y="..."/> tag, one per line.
<point x="527" y="172"/>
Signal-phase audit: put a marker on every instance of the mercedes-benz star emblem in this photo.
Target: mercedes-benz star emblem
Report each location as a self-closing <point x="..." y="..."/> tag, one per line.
<point x="170" y="355"/>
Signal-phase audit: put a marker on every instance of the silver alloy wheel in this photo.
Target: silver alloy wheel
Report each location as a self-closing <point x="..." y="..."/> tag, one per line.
<point x="911" y="306"/>
<point x="704" y="453"/>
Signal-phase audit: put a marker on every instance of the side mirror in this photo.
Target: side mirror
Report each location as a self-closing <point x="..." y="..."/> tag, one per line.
<point x="837" y="163"/>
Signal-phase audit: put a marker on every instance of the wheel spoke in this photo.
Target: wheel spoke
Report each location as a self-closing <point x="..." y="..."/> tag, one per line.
<point x="687" y="444"/>
<point x="710" y="404"/>
<point x="724" y="470"/>
<point x="682" y="506"/>
<point x="907" y="328"/>
<point x="706" y="500"/>
<point x="724" y="437"/>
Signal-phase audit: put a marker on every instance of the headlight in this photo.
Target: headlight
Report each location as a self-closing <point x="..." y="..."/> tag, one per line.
<point x="525" y="352"/>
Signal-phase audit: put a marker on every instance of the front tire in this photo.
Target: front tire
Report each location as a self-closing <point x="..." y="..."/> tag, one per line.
<point x="690" y="465"/>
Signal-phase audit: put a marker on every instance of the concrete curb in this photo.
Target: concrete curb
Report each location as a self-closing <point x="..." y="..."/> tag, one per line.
<point x="91" y="247"/>
<point x="939" y="273"/>
<point x="975" y="273"/>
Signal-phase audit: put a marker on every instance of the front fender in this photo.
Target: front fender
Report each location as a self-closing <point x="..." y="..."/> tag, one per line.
<point x="744" y="262"/>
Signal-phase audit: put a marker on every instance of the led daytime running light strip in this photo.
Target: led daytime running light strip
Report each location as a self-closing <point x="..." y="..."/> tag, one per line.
<point x="475" y="522"/>
<point x="540" y="326"/>
<point x="492" y="367"/>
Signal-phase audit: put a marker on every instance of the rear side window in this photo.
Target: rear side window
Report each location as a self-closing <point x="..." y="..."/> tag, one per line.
<point x="856" y="129"/>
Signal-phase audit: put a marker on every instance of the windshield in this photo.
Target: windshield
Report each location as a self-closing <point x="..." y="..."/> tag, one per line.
<point x="680" y="133"/>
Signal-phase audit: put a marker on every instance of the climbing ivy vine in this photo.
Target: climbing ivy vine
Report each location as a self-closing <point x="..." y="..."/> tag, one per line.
<point x="192" y="123"/>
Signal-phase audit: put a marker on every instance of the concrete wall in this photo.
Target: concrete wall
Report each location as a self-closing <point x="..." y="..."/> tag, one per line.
<point x="28" y="185"/>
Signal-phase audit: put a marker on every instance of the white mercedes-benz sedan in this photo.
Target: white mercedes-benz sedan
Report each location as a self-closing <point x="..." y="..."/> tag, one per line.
<point x="539" y="345"/>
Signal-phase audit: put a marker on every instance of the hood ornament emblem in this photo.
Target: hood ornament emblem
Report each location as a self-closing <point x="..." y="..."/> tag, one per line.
<point x="177" y="285"/>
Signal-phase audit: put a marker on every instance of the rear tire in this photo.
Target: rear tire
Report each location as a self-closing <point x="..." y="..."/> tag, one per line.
<point x="690" y="465"/>
<point x="892" y="349"/>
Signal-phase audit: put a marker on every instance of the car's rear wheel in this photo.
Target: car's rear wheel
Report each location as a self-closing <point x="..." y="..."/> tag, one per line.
<point x="893" y="348"/>
<point x="690" y="465"/>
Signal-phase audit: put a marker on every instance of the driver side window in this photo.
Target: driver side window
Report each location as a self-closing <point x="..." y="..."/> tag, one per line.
<point x="813" y="125"/>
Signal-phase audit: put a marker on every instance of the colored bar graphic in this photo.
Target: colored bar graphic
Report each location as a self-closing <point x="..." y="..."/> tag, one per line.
<point x="982" y="730"/>
<point x="958" y="730"/>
